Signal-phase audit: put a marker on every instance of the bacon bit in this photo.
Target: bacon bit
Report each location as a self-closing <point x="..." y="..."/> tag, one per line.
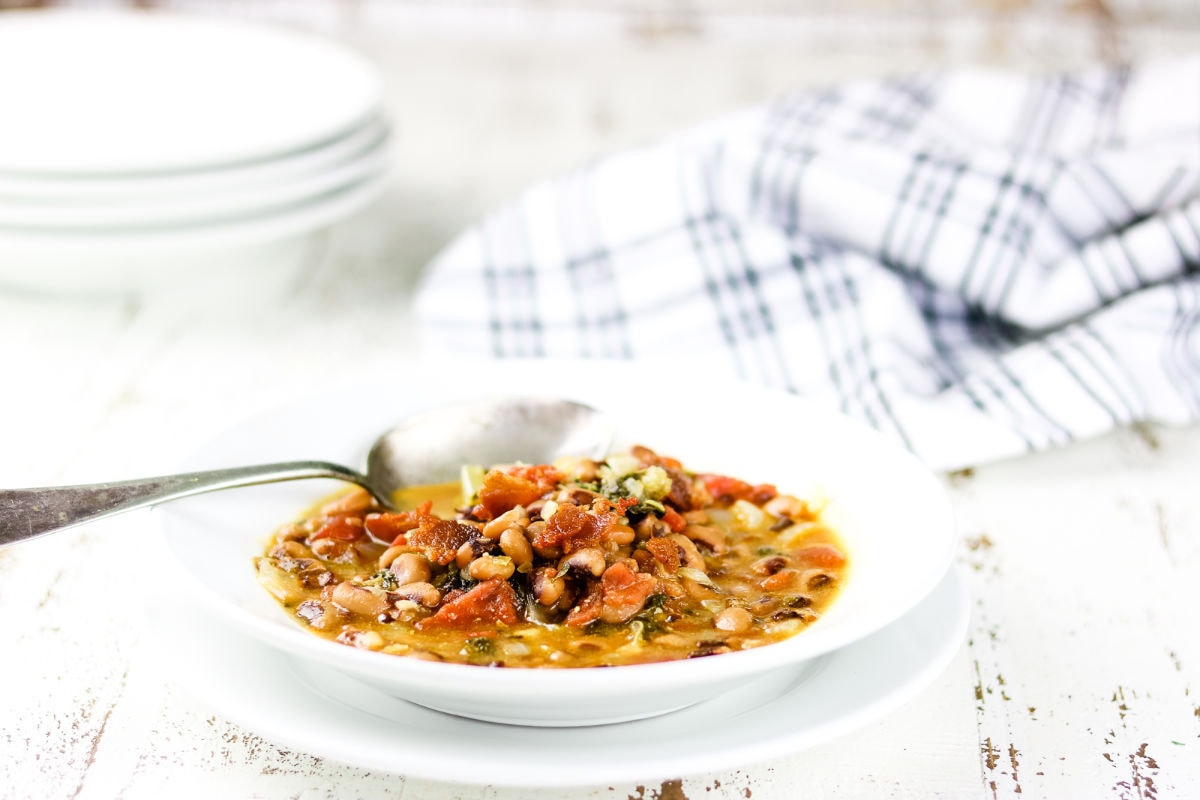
<point x="645" y="560"/>
<point x="572" y="528"/>
<point x="501" y="491"/>
<point x="491" y="602"/>
<point x="602" y="505"/>
<point x="441" y="538"/>
<point x="587" y="610"/>
<point x="672" y="588"/>
<point x="546" y="477"/>
<point x="727" y="489"/>
<point x="343" y="529"/>
<point x="674" y="520"/>
<point x="820" y="555"/>
<point x="665" y="552"/>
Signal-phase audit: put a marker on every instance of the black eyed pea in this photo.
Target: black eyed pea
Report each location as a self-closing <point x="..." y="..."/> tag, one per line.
<point x="514" y="545"/>
<point x="734" y="619"/>
<point x="547" y="588"/>
<point x="516" y="517"/>
<point x="465" y="555"/>
<point x="710" y="537"/>
<point x="621" y="534"/>
<point x="487" y="567"/>
<point x="815" y="578"/>
<point x="411" y="568"/>
<point x="769" y="565"/>
<point x="420" y="592"/>
<point x="589" y="560"/>
<point x="786" y="505"/>
<point x="358" y="600"/>
<point x="688" y="554"/>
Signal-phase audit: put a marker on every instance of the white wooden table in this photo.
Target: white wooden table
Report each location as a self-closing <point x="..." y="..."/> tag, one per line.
<point x="1081" y="673"/>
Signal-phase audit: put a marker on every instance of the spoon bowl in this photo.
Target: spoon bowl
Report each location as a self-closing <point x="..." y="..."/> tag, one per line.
<point x="429" y="447"/>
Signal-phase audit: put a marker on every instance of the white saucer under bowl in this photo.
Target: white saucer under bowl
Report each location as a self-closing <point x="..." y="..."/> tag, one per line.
<point x="308" y="708"/>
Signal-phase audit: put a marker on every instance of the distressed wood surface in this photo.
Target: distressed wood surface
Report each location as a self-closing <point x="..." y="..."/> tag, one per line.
<point x="1081" y="673"/>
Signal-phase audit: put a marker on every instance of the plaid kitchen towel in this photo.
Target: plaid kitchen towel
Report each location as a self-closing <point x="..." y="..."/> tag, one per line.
<point x="979" y="264"/>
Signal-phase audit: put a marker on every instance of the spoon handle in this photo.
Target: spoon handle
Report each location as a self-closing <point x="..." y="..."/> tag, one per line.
<point x="26" y="513"/>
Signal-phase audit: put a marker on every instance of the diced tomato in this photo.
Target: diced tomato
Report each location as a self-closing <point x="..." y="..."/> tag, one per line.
<point x="762" y="493"/>
<point x="343" y="529"/>
<point x="491" y="602"/>
<point x="389" y="526"/>
<point x="674" y="520"/>
<point x="587" y="610"/>
<point x="722" y="486"/>
<point x="725" y="488"/>
<point x="624" y="592"/>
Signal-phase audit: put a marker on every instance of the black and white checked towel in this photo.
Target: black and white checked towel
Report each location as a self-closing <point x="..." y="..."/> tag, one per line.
<point x="977" y="263"/>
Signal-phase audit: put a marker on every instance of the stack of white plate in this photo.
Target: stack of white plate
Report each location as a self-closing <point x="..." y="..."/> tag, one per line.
<point x="136" y="147"/>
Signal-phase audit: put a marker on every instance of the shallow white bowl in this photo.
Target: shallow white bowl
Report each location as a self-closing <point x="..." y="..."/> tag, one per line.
<point x="892" y="513"/>
<point x="201" y="198"/>
<point x="246" y="255"/>
<point x="225" y="180"/>
<point x="114" y="92"/>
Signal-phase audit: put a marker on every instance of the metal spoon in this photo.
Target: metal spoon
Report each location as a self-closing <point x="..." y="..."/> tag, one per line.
<point x="427" y="448"/>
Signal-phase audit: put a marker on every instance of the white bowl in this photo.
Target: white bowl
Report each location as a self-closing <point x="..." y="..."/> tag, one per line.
<point x="227" y="180"/>
<point x="891" y="512"/>
<point x="121" y="92"/>
<point x="254" y="254"/>
<point x="199" y="198"/>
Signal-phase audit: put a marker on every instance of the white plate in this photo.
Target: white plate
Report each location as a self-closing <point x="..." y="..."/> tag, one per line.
<point x="50" y="190"/>
<point x="191" y="207"/>
<point x="892" y="513"/>
<point x="123" y="91"/>
<point x="305" y="708"/>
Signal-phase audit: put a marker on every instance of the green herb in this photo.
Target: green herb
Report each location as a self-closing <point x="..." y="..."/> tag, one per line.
<point x="385" y="579"/>
<point x="652" y="614"/>
<point x="647" y="505"/>
<point x="453" y="578"/>
<point x="480" y="645"/>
